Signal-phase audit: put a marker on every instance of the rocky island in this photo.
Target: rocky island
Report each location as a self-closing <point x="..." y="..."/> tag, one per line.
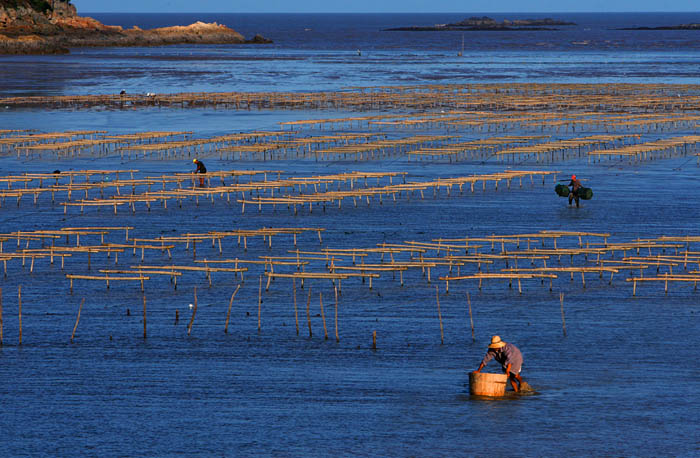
<point x="693" y="26"/>
<point x="486" y="23"/>
<point x="53" y="26"/>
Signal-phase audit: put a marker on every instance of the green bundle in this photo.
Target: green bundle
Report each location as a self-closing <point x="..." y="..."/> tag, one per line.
<point x="562" y="190"/>
<point x="585" y="193"/>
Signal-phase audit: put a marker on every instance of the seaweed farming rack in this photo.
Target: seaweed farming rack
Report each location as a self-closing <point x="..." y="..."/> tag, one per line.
<point x="528" y="96"/>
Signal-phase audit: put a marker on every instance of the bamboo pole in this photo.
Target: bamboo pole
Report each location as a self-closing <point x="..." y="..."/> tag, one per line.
<point x="194" y="312"/>
<point x="1" y="331"/>
<point x="19" y="296"/>
<point x="323" y="316"/>
<point x="442" y="334"/>
<point x="259" y="303"/>
<point x="308" y="313"/>
<point x="228" y="313"/>
<point x="563" y="320"/>
<point x="296" y="314"/>
<point x="374" y="340"/>
<point x="77" y="320"/>
<point x="337" y="339"/>
<point x="471" y="321"/>
<point x="144" y="316"/>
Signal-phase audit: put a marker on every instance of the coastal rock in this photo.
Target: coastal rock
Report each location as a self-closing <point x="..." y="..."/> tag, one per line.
<point x="489" y="24"/>
<point x="197" y="33"/>
<point x="24" y="29"/>
<point x="30" y="44"/>
<point x="259" y="39"/>
<point x="692" y="26"/>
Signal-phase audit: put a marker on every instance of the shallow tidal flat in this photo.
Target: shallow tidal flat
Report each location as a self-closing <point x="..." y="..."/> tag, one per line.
<point x="423" y="216"/>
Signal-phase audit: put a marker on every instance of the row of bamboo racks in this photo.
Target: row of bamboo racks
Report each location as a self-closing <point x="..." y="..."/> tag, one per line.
<point x="508" y="96"/>
<point x="51" y="249"/>
<point x="482" y="259"/>
<point x="79" y="139"/>
<point x="653" y="150"/>
<point x="258" y="190"/>
<point x="394" y="190"/>
<point x="82" y="182"/>
<point x="279" y="145"/>
<point x="464" y="259"/>
<point x="543" y="122"/>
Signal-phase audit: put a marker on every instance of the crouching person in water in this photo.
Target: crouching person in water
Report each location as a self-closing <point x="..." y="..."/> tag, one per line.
<point x="508" y="356"/>
<point x="200" y="169"/>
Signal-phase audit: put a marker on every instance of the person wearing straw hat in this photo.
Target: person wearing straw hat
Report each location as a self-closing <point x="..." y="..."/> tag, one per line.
<point x="509" y="357"/>
<point x="575" y="185"/>
<point x="200" y="169"/>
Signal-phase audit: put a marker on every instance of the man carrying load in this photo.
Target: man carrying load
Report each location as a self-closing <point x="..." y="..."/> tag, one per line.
<point x="575" y="185"/>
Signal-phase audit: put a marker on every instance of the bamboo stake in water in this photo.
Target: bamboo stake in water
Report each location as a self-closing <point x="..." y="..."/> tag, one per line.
<point x="471" y="321"/>
<point x="19" y="295"/>
<point x="563" y="320"/>
<point x="144" y="316"/>
<point x="77" y="320"/>
<point x="374" y="340"/>
<point x="442" y="334"/>
<point x="194" y="312"/>
<point x="259" y="302"/>
<point x="296" y="314"/>
<point x="323" y="316"/>
<point x="308" y="313"/>
<point x="228" y="314"/>
<point x="1" y="337"/>
<point x="337" y="339"/>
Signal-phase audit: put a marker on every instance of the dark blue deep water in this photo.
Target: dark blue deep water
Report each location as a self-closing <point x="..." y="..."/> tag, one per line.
<point x="623" y="382"/>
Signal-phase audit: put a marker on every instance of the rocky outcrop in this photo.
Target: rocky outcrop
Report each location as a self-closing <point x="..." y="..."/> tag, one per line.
<point x="60" y="17"/>
<point x="486" y="23"/>
<point x="28" y="29"/>
<point x="30" y="44"/>
<point x="199" y="32"/>
<point x="259" y="39"/>
<point x="693" y="26"/>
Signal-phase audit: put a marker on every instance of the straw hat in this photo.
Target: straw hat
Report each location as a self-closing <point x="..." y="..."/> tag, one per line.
<point x="194" y="160"/>
<point x="496" y="342"/>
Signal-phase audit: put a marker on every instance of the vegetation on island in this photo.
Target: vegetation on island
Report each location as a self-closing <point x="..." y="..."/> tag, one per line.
<point x="41" y="6"/>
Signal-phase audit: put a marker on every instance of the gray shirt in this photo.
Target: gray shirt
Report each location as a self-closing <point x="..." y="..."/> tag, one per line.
<point x="506" y="355"/>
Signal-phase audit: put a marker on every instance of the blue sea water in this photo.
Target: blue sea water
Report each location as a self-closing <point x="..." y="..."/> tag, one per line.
<point x="622" y="382"/>
<point x="320" y="52"/>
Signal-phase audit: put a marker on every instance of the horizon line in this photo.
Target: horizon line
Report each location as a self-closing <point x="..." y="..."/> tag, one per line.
<point x="386" y="12"/>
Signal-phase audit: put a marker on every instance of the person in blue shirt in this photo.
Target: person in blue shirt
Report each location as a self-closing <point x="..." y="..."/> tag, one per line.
<point x="509" y="357"/>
